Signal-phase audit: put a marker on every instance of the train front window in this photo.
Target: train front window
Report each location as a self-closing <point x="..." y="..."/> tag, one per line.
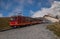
<point x="12" y="19"/>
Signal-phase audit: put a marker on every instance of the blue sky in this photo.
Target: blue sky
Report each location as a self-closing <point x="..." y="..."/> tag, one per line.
<point x="11" y="7"/>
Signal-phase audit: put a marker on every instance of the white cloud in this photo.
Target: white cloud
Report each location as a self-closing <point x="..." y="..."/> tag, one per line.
<point x="19" y="1"/>
<point x="30" y="1"/>
<point x="51" y="1"/>
<point x="8" y="5"/>
<point x="40" y="13"/>
<point x="54" y="9"/>
<point x="1" y="15"/>
<point x="2" y="4"/>
<point x="39" y="4"/>
<point x="5" y="5"/>
<point x="18" y="9"/>
<point x="31" y="12"/>
<point x="15" y="11"/>
<point x="10" y="14"/>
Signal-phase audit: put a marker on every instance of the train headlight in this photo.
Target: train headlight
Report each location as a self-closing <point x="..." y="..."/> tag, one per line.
<point x="11" y="19"/>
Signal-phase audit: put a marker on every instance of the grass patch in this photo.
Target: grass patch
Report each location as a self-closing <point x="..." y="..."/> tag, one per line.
<point x="4" y="23"/>
<point x="55" y="27"/>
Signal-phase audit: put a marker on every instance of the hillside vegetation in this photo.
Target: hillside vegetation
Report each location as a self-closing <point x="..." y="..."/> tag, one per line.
<point x="4" y="23"/>
<point x="55" y="27"/>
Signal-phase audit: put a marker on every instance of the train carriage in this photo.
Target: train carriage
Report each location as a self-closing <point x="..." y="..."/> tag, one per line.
<point x="17" y="21"/>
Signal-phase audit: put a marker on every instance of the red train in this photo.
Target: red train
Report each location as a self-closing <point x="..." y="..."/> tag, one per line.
<point x="17" y="21"/>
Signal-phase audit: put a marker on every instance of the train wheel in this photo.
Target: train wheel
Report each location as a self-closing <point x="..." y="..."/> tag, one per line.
<point x="14" y="27"/>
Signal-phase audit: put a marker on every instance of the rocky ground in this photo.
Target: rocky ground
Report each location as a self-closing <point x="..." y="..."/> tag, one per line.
<point x="38" y="31"/>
